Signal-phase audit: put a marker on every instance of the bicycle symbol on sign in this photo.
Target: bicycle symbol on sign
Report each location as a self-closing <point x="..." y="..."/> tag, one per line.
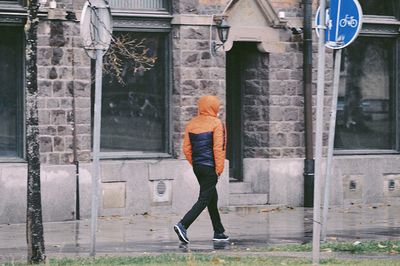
<point x="348" y="20"/>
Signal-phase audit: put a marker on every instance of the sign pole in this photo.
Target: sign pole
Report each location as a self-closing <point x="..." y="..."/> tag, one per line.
<point x="96" y="149"/>
<point x="331" y="138"/>
<point x="96" y="31"/>
<point x="318" y="135"/>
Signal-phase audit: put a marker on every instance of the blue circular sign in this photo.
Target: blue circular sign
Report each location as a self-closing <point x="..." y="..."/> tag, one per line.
<point x="343" y="21"/>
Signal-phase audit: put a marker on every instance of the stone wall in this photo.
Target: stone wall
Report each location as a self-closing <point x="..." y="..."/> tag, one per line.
<point x="63" y="72"/>
<point x="199" y="6"/>
<point x="256" y="100"/>
<point x="286" y="103"/>
<point x="196" y="73"/>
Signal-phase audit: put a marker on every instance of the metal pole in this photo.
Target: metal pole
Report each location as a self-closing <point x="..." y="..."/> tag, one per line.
<point x="74" y="134"/>
<point x="328" y="172"/>
<point x="318" y="135"/>
<point x="308" y="173"/>
<point x="96" y="149"/>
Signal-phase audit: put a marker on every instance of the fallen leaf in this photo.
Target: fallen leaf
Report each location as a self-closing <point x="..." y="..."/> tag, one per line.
<point x="218" y="261"/>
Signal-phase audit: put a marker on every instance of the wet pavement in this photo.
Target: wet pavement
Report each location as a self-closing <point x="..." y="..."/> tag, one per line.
<point x="248" y="228"/>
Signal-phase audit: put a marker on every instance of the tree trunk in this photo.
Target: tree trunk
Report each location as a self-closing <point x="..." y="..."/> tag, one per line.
<point x="34" y="226"/>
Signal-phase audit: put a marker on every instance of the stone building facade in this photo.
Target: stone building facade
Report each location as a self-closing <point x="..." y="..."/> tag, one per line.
<point x="259" y="79"/>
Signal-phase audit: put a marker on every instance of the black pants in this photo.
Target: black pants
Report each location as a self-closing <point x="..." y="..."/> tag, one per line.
<point x="208" y="197"/>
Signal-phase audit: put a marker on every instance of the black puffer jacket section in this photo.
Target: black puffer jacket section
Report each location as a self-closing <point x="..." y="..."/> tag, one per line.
<point x="202" y="148"/>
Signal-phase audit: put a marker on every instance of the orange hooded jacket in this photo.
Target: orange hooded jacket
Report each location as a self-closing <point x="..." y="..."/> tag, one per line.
<point x="205" y="139"/>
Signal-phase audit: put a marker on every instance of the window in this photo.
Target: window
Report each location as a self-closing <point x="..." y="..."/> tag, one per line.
<point x="139" y="4"/>
<point x="11" y="111"/>
<point x="134" y="106"/>
<point x="135" y="97"/>
<point x="378" y="7"/>
<point x="367" y="111"/>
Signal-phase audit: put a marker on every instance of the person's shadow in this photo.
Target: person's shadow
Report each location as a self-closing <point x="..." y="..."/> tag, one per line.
<point x="218" y="245"/>
<point x="184" y="247"/>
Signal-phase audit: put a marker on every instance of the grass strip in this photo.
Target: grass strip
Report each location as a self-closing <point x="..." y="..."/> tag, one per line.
<point x="192" y="259"/>
<point x="357" y="247"/>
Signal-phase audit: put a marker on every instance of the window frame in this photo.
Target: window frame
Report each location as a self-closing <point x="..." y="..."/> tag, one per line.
<point x="146" y="12"/>
<point x="21" y="95"/>
<point x="383" y="27"/>
<point x="156" y="22"/>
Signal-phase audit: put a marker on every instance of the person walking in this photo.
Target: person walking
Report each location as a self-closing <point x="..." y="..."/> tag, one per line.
<point x="204" y="146"/>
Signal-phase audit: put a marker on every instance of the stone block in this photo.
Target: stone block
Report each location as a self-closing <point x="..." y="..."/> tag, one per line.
<point x="58" y="88"/>
<point x="45" y="144"/>
<point x="58" y="117"/>
<point x="286" y="181"/>
<point x="83" y="129"/>
<point x="82" y="73"/>
<point x="291" y="114"/>
<point x="82" y="88"/>
<point x="66" y="158"/>
<point x="59" y="144"/>
<point x="57" y="56"/>
<point x="47" y="130"/>
<point x="83" y="102"/>
<point x="52" y="103"/>
<point x="195" y="32"/>
<point x="54" y="158"/>
<point x="66" y="103"/>
<point x="82" y="116"/>
<point x="64" y="130"/>
<point x="278" y="140"/>
<point x="45" y="88"/>
<point x="113" y="195"/>
<point x="52" y="73"/>
<point x="190" y="59"/>
<point x="13" y="193"/>
<point x="275" y="114"/>
<point x="58" y="192"/>
<point x="65" y="73"/>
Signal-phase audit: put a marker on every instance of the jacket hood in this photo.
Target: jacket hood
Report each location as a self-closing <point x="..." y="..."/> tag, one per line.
<point x="208" y="105"/>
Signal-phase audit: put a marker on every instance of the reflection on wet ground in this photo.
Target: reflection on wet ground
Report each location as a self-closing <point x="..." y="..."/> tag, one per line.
<point x="248" y="228"/>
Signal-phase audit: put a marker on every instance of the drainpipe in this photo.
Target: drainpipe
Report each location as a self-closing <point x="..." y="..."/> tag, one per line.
<point x="71" y="17"/>
<point x="308" y="173"/>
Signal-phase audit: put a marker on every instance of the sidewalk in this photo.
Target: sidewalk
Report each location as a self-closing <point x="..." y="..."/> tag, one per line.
<point x="249" y="229"/>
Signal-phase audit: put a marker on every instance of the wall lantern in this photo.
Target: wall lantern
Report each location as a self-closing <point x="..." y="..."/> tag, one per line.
<point x="223" y="33"/>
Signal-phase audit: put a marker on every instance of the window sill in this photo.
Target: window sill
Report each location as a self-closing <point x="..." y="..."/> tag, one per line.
<point x="142" y="13"/>
<point x="11" y="160"/>
<point x="134" y="155"/>
<point x="365" y="152"/>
